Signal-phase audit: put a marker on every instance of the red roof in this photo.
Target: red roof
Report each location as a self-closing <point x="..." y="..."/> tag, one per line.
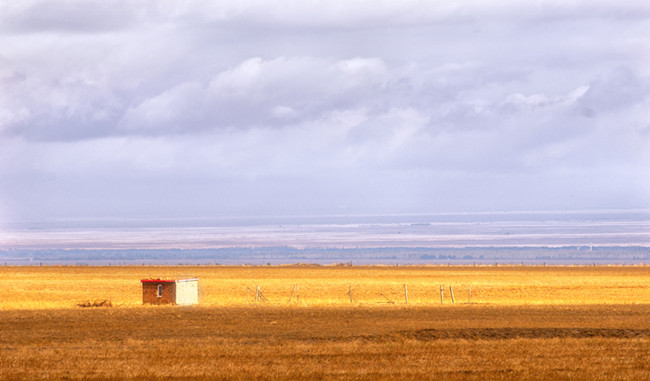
<point x="167" y="280"/>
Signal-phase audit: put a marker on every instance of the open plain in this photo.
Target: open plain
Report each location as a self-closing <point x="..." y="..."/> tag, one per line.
<point x="326" y="322"/>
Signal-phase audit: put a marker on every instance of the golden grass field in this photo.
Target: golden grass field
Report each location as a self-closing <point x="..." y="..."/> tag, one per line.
<point x="586" y="323"/>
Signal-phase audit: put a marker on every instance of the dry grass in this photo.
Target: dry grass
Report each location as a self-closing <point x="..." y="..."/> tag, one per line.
<point x="585" y="323"/>
<point x="61" y="287"/>
<point x="466" y="342"/>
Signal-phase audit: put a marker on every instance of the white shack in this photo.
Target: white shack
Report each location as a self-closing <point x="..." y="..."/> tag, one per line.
<point x="170" y="291"/>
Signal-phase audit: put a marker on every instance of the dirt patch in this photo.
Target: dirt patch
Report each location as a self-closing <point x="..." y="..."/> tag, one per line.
<point x="528" y="333"/>
<point x="96" y="303"/>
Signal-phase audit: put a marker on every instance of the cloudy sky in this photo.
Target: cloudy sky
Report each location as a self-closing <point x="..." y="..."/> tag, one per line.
<point x="158" y="109"/>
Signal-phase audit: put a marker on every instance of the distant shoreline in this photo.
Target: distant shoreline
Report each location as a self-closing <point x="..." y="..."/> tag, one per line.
<point x="390" y="256"/>
<point x="552" y="237"/>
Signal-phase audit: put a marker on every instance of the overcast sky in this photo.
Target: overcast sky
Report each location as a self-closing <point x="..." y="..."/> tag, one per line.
<point x="158" y="109"/>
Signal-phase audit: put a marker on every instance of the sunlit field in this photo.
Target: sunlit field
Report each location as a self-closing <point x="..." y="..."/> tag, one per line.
<point x="587" y="323"/>
<point x="63" y="287"/>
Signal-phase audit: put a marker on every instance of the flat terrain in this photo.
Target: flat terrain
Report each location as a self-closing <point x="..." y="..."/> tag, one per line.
<point x="63" y="287"/>
<point x="466" y="342"/>
<point x="585" y="323"/>
<point x="446" y="230"/>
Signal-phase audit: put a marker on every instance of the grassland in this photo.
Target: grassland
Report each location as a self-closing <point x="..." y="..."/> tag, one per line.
<point x="63" y="287"/>
<point x="590" y="323"/>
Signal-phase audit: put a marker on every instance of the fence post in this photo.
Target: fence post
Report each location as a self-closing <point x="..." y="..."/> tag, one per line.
<point x="406" y="294"/>
<point x="442" y="291"/>
<point x="451" y="290"/>
<point x="293" y="290"/>
<point x="469" y="294"/>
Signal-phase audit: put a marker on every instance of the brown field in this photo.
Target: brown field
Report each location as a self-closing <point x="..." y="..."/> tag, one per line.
<point x="585" y="323"/>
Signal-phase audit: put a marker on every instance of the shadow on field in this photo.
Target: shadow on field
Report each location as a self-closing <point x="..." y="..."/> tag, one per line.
<point x="528" y="333"/>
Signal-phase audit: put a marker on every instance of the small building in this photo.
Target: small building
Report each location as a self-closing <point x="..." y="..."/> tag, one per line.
<point x="169" y="291"/>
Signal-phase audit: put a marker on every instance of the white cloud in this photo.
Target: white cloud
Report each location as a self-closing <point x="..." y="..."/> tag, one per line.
<point x="360" y="66"/>
<point x="240" y="80"/>
<point x="173" y="110"/>
<point x="284" y="112"/>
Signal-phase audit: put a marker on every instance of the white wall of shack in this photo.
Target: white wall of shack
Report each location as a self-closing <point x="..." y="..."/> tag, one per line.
<point x="187" y="292"/>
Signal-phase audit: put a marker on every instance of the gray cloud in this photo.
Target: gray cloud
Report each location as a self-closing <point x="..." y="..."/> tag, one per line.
<point x="65" y="16"/>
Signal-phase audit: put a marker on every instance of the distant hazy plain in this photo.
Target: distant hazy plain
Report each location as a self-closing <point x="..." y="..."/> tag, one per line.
<point x="530" y="229"/>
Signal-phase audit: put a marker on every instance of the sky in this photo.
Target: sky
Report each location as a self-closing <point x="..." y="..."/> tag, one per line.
<point x="182" y="109"/>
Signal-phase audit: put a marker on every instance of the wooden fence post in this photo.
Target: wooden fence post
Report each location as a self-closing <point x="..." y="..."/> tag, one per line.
<point x="451" y="290"/>
<point x="442" y="291"/>
<point x="469" y="294"/>
<point x="350" y="293"/>
<point x="293" y="290"/>
<point x="406" y="294"/>
<point x="258" y="295"/>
